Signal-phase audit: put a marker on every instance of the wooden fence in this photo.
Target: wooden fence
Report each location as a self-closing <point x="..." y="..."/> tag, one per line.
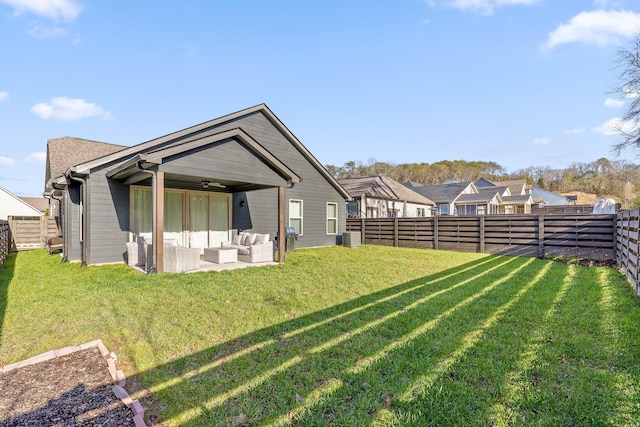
<point x="5" y="239"/>
<point x="628" y="248"/>
<point x="31" y="233"/>
<point x="576" y="235"/>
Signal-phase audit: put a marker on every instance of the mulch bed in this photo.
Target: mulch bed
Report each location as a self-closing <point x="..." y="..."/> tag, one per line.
<point x="70" y="390"/>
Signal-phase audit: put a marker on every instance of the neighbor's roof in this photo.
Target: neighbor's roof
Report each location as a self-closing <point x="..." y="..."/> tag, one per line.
<point x="383" y="187"/>
<point x="62" y="153"/>
<point x="443" y="193"/>
<point x="40" y="203"/>
<point x="484" y="195"/>
<point x="515" y="185"/>
<point x="519" y="198"/>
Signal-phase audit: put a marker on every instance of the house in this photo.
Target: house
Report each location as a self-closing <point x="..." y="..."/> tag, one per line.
<point x="12" y="205"/>
<point x="486" y="200"/>
<point x="244" y="171"/>
<point x="516" y="195"/>
<point x="445" y="195"/>
<point x="379" y="196"/>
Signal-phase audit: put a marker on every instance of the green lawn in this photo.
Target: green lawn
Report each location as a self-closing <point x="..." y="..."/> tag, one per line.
<point x="352" y="337"/>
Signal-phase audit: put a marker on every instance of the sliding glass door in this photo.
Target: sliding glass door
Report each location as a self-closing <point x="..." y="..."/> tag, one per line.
<point x="195" y="219"/>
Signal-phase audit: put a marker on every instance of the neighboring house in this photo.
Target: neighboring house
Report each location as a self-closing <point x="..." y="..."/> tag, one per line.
<point x="379" y="196"/>
<point x="515" y="195"/>
<point x="12" y="205"/>
<point x="244" y="171"/>
<point x="484" y="201"/>
<point x="445" y="196"/>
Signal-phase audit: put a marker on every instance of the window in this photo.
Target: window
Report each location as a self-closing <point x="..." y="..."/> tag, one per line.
<point x="421" y="212"/>
<point x="482" y="210"/>
<point x="352" y="210"/>
<point x="372" y="212"/>
<point x="332" y="218"/>
<point x="295" y="215"/>
<point x="443" y="209"/>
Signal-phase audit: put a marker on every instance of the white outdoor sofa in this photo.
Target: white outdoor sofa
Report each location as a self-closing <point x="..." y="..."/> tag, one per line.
<point x="252" y="247"/>
<point x="176" y="258"/>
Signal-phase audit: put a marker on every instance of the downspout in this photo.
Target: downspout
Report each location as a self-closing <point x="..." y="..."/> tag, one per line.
<point x="83" y="227"/>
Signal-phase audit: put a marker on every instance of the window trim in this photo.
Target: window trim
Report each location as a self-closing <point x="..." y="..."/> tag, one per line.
<point x="301" y="215"/>
<point x="331" y="218"/>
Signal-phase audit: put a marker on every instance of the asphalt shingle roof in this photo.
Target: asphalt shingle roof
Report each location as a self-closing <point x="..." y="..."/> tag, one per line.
<point x="443" y="193"/>
<point x="382" y="187"/>
<point x="67" y="151"/>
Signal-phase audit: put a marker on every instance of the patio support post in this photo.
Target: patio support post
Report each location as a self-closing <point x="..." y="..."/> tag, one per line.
<point x="158" y="221"/>
<point x="281" y="231"/>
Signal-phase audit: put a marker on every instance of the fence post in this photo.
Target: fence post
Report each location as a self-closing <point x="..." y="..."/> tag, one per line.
<point x="481" y="234"/>
<point x="362" y="226"/>
<point x="541" y="236"/>
<point x="395" y="231"/>
<point x="435" y="232"/>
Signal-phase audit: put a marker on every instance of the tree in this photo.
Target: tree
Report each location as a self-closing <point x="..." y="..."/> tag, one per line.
<point x="628" y="62"/>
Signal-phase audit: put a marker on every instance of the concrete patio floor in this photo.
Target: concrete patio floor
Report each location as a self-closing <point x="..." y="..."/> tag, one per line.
<point x="211" y="266"/>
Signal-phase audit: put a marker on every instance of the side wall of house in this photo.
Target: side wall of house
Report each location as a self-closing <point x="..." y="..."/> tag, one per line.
<point x="72" y="223"/>
<point x="108" y="219"/>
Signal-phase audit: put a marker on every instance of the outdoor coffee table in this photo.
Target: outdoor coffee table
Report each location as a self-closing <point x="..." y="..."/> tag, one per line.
<point x="220" y="255"/>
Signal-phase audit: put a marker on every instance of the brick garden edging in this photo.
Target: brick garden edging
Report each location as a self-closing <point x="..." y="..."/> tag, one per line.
<point x="117" y="375"/>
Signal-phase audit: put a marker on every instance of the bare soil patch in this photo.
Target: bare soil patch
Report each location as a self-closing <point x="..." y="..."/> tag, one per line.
<point x="72" y="390"/>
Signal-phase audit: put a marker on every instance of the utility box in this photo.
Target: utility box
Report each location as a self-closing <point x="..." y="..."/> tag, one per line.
<point x="351" y="239"/>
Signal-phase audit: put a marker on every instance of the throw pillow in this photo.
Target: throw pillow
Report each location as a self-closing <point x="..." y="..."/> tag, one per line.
<point x="249" y="239"/>
<point x="262" y="239"/>
<point x="237" y="239"/>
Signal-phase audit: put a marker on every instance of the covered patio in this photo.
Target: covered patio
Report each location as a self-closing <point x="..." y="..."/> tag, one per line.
<point x="194" y="195"/>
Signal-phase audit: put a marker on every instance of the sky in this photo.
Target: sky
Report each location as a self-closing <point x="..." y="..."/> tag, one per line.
<point x="517" y="82"/>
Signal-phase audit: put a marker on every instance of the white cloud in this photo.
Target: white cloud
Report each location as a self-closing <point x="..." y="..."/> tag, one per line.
<point x="599" y="27"/>
<point x="613" y="103"/>
<point x="47" y="32"/>
<point x="615" y="126"/>
<point x="7" y="161"/>
<point x="66" y="10"/>
<point x="541" y="141"/>
<point x="67" y="109"/>
<point x="39" y="157"/>
<point x="485" y="7"/>
<point x="4" y="96"/>
<point x="576" y="131"/>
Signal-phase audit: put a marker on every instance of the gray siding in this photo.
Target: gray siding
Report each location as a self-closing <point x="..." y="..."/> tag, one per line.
<point x="72" y="219"/>
<point x="227" y="160"/>
<point x="108" y="219"/>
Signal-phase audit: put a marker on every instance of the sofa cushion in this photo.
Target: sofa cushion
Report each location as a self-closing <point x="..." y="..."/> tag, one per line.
<point x="249" y="239"/>
<point x="261" y="239"/>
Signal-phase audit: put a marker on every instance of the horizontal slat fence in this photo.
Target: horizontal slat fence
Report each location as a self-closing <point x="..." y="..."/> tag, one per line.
<point x="31" y="233"/>
<point x="576" y="235"/>
<point x="5" y="239"/>
<point x="628" y="248"/>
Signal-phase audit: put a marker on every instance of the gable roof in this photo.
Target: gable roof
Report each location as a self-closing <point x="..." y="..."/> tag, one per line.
<point x="39" y="203"/>
<point x="484" y="195"/>
<point x="15" y="206"/>
<point x="443" y="193"/>
<point x="516" y="186"/>
<point x="163" y="141"/>
<point x="67" y="151"/>
<point x="383" y="187"/>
